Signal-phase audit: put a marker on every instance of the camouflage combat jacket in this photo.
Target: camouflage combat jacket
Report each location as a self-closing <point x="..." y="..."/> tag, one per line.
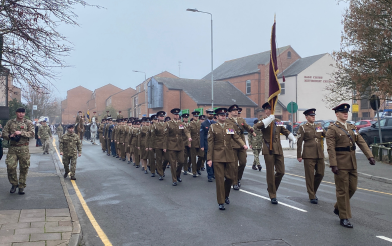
<point x="256" y="142"/>
<point x="25" y="126"/>
<point x="44" y="132"/>
<point x="70" y="144"/>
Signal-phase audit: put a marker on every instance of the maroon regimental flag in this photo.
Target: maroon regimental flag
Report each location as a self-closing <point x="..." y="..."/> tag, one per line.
<point x="274" y="86"/>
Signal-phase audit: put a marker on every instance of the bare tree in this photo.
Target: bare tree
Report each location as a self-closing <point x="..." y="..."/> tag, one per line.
<point x="33" y="47"/>
<point x="47" y="104"/>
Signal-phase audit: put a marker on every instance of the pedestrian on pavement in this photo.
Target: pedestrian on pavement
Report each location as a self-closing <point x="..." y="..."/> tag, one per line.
<point x="59" y="131"/>
<point x="18" y="131"/>
<point x="204" y="128"/>
<point x="70" y="149"/>
<point x="311" y="135"/>
<point x="341" y="139"/>
<point x="38" y="142"/>
<point x="256" y="143"/>
<point x="45" y="134"/>
<point x="274" y="159"/>
<point x="220" y="152"/>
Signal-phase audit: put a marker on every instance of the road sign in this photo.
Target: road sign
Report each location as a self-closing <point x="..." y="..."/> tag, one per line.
<point x="292" y="107"/>
<point x="35" y="107"/>
<point x="375" y="102"/>
<point x="355" y="108"/>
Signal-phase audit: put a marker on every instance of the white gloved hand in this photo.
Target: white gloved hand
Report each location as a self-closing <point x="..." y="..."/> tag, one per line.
<point x="272" y="116"/>
<point x="292" y="138"/>
<point x="267" y="121"/>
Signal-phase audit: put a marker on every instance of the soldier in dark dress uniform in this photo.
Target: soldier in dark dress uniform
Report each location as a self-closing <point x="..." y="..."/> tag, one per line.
<point x="204" y="128"/>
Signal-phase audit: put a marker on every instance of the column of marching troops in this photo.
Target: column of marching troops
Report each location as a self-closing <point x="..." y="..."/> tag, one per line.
<point x="158" y="142"/>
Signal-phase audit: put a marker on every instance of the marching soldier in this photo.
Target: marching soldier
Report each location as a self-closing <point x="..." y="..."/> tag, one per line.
<point x="119" y="116"/>
<point x="59" y="130"/>
<point x="194" y="128"/>
<point x="341" y="139"/>
<point x="150" y="145"/>
<point x="187" y="149"/>
<point x="107" y="135"/>
<point x="274" y="160"/>
<point x="157" y="138"/>
<point x="201" y="157"/>
<point x="121" y="139"/>
<point x="70" y="149"/>
<point x="128" y="135"/>
<point x="240" y="126"/>
<point x="255" y="143"/>
<point x="18" y="131"/>
<point x="134" y="142"/>
<point x="142" y="142"/>
<point x="44" y="133"/>
<point x="313" y="153"/>
<point x="174" y="144"/>
<point x="101" y="134"/>
<point x="204" y="128"/>
<point x="220" y="152"/>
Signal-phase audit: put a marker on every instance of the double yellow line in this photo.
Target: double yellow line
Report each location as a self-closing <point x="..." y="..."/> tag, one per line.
<point x="98" y="229"/>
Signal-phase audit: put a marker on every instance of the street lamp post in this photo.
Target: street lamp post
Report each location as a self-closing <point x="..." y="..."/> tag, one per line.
<point x="212" y="57"/>
<point x="145" y="96"/>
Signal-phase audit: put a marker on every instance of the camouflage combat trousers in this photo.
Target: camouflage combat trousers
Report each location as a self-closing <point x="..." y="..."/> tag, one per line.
<point x="14" y="155"/>
<point x="60" y="134"/>
<point x="256" y="153"/>
<point x="45" y="144"/>
<point x="68" y="159"/>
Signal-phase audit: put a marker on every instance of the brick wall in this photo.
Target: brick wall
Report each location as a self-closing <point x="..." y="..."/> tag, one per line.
<point x="76" y="100"/>
<point x="101" y="95"/>
<point x="122" y="101"/>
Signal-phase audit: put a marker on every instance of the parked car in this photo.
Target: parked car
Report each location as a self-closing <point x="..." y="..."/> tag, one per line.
<point x="370" y="132"/>
<point x="295" y="129"/>
<point x="363" y="123"/>
<point x="327" y="123"/>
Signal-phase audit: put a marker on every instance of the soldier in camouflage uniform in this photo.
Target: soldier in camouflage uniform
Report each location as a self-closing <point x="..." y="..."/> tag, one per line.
<point x="70" y="149"/>
<point x="18" y="131"/>
<point x="59" y="131"/>
<point x="255" y="143"/>
<point x="44" y="133"/>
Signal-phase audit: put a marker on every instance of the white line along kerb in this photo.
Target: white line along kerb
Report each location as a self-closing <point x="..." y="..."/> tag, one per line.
<point x="385" y="238"/>
<point x="266" y="198"/>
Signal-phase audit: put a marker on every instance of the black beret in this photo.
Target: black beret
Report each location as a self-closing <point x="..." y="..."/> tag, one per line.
<point x="22" y="110"/>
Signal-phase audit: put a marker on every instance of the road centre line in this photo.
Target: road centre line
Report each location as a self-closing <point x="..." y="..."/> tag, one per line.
<point x="385" y="238"/>
<point x="266" y="198"/>
<point x="87" y="210"/>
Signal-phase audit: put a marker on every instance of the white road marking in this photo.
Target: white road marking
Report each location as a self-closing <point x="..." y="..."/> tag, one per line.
<point x="385" y="238"/>
<point x="266" y="198"/>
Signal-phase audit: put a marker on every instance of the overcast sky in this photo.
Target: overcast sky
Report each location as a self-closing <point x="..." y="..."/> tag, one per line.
<point x="153" y="36"/>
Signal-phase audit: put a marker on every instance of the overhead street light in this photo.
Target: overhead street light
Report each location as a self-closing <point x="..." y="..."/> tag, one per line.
<point x="212" y="57"/>
<point x="136" y="71"/>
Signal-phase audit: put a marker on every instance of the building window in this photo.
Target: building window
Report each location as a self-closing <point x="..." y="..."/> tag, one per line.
<point x="355" y="116"/>
<point x="289" y="55"/>
<point x="365" y="104"/>
<point x="248" y="87"/>
<point x="366" y="114"/>
<point x="248" y="113"/>
<point x="283" y="88"/>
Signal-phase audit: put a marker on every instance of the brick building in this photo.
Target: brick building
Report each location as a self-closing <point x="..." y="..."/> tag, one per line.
<point x="14" y="92"/>
<point x="99" y="96"/>
<point x="250" y="74"/>
<point x="76" y="100"/>
<point x="139" y="99"/>
<point x="190" y="94"/>
<point x="121" y="101"/>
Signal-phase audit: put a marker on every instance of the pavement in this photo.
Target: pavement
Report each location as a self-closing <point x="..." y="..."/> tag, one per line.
<point x="45" y="215"/>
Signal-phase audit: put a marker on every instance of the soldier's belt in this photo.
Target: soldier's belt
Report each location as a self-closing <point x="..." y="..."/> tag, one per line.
<point x="18" y="145"/>
<point x="348" y="148"/>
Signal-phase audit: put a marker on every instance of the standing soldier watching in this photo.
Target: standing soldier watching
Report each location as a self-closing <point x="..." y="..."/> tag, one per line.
<point x="18" y="131"/>
<point x="174" y="144"/>
<point x="70" y="149"/>
<point x="240" y="126"/>
<point x="313" y="153"/>
<point x="256" y="143"/>
<point x="274" y="159"/>
<point x="220" y="152"/>
<point x="341" y="139"/>
<point x="60" y="130"/>
<point x="44" y="133"/>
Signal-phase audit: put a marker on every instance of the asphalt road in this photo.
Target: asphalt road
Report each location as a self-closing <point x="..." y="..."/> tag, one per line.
<point x="133" y="208"/>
